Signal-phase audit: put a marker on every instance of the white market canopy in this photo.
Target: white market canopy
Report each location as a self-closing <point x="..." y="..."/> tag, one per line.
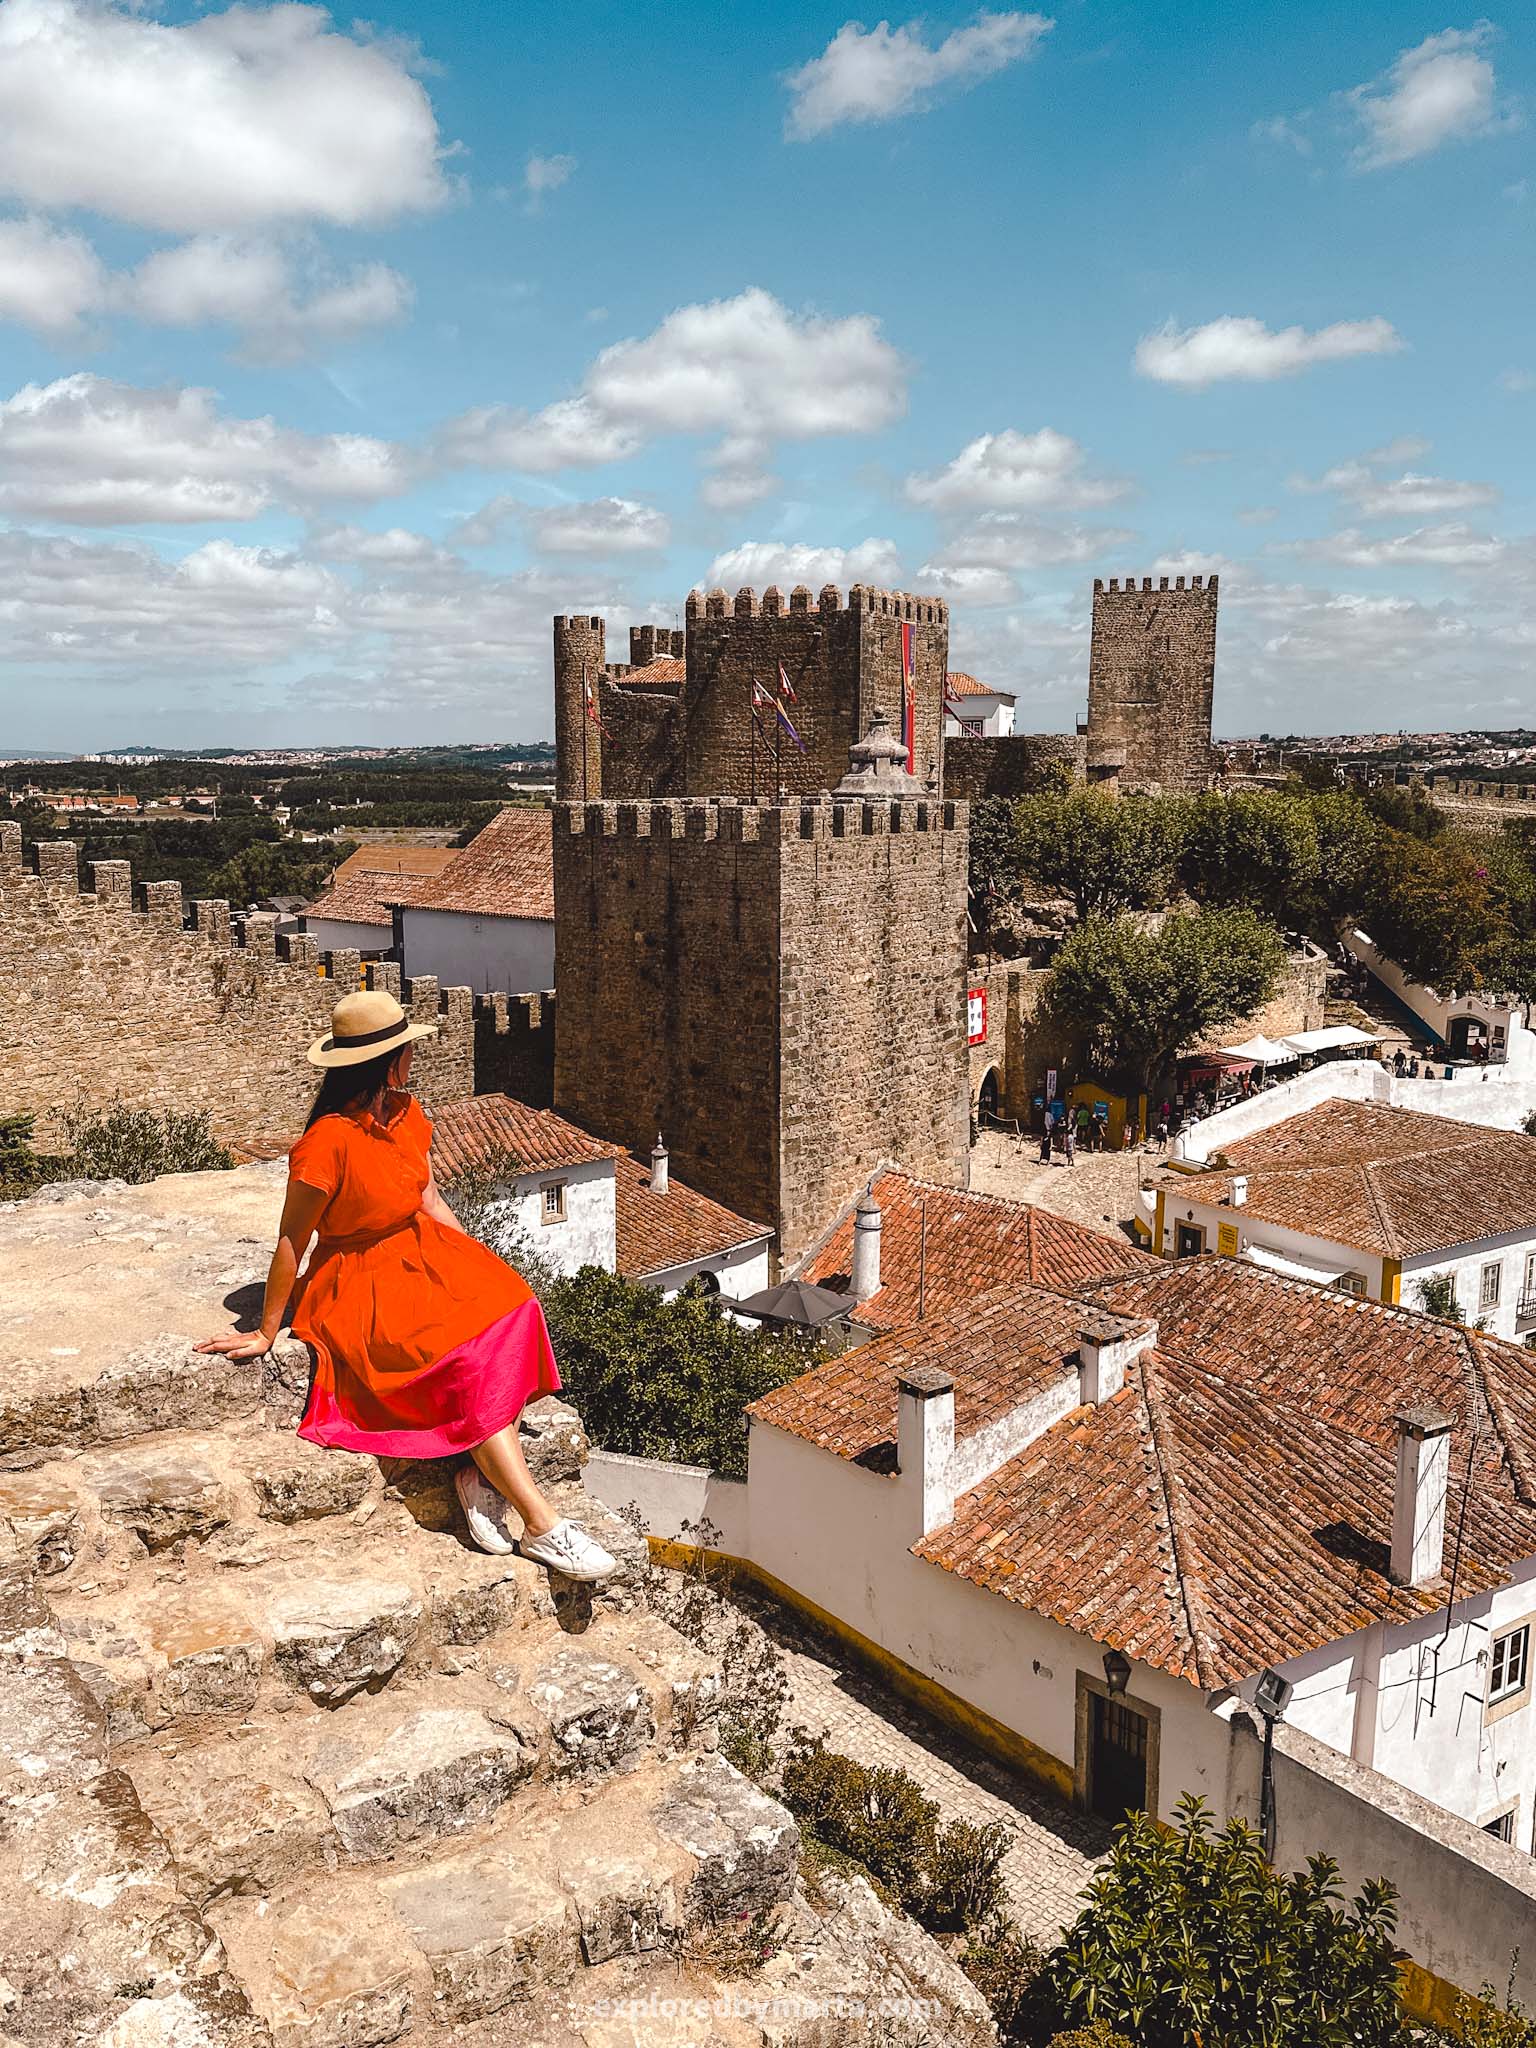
<point x="1292" y="1269"/>
<point x="1265" y="1052"/>
<point x="1330" y="1038"/>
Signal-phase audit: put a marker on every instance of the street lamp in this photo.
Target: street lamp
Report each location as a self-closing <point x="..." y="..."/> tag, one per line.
<point x="1117" y="1672"/>
<point x="1272" y="1695"/>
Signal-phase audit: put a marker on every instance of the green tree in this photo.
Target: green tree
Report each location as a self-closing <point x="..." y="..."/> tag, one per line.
<point x="665" y="1379"/>
<point x="1257" y="848"/>
<point x="269" y="867"/>
<point x="1190" y="1938"/>
<point x="1348" y="841"/>
<point x="994" y="871"/>
<point x="1132" y="996"/>
<point x="1108" y="853"/>
<point x="1430" y="907"/>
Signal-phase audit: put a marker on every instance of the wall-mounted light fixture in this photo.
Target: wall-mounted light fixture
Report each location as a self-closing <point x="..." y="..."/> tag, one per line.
<point x="1117" y="1672"/>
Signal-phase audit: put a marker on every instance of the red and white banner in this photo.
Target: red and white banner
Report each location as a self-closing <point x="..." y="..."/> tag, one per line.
<point x="976" y="1016"/>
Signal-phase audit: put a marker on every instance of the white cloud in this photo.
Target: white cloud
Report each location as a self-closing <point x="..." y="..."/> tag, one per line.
<point x="1010" y="471"/>
<point x="1441" y="547"/>
<point x="874" y="74"/>
<point x="758" y="563"/>
<point x="1285" y="129"/>
<point x="395" y="546"/>
<point x="50" y="280"/>
<point x="1517" y="381"/>
<point x="1441" y="91"/>
<point x="746" y="368"/>
<point x="94" y="452"/>
<point x="1245" y="349"/>
<point x="249" y="284"/>
<point x="731" y="490"/>
<point x="254" y="116"/>
<point x="979" y="561"/>
<point x="543" y="175"/>
<point x="1409" y="496"/>
<point x="605" y="526"/>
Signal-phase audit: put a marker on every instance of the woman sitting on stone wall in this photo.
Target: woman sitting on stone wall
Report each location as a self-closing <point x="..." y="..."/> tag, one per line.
<point x="426" y="1345"/>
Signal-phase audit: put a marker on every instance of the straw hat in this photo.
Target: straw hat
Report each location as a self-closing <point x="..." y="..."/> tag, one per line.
<point x="365" y="1026"/>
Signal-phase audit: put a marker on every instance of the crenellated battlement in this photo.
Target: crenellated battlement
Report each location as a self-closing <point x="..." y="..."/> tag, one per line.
<point x="1205" y="584"/>
<point x="747" y="824"/>
<point x="121" y="991"/>
<point x="772" y="604"/>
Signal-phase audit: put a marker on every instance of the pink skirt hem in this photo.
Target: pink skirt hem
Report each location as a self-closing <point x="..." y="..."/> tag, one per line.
<point x="471" y="1392"/>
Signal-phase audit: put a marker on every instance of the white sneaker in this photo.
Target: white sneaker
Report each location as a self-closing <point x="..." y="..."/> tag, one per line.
<point x="569" y="1550"/>
<point x="484" y="1510"/>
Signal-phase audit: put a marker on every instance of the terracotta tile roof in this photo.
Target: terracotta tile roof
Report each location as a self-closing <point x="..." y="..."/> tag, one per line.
<point x="668" y="670"/>
<point x="1000" y="1348"/>
<point x="364" y="897"/>
<point x="972" y="1244"/>
<point x="397" y="860"/>
<point x="1382" y="1180"/>
<point x="490" y="1128"/>
<point x="962" y="685"/>
<point x="659" y="1231"/>
<point x="1232" y="1508"/>
<point x="507" y="869"/>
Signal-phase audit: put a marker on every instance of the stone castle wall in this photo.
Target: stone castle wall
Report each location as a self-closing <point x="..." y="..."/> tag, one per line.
<point x="843" y="661"/>
<point x="1022" y="764"/>
<point x="778" y="989"/>
<point x="1151" y="679"/>
<point x="104" y="997"/>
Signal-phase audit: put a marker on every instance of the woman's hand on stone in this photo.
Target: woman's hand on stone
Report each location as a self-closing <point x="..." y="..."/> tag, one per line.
<point x="239" y="1344"/>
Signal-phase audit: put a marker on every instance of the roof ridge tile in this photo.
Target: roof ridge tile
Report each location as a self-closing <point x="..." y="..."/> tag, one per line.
<point x="1190" y="1587"/>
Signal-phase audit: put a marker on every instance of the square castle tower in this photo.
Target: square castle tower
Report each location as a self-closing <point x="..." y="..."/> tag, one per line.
<point x="1151" y="681"/>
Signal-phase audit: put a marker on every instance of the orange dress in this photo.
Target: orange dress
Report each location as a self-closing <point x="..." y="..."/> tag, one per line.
<point x="425" y="1343"/>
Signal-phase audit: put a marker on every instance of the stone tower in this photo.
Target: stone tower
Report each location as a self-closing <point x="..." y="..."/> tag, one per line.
<point x="780" y="987"/>
<point x="695" y="735"/>
<point x="1151" y="675"/>
<point x="579" y="663"/>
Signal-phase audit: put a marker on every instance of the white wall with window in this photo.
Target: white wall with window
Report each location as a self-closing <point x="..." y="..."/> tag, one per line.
<point x="566" y="1214"/>
<point x="1495" y="1281"/>
<point x="466" y="949"/>
<point x="985" y="717"/>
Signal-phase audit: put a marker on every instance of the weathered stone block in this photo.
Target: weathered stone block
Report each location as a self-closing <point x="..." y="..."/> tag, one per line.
<point x="599" y="1713"/>
<point x="295" y="1481"/>
<point x="334" y="1637"/>
<point x="492" y="1932"/>
<point x="320" y="1976"/>
<point x="745" y="1845"/>
<point x="233" y="1823"/>
<point x="435" y="1773"/>
<point x="161" y="1495"/>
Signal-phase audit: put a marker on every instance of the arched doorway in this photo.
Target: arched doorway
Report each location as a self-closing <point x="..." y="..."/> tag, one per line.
<point x="987" y="1100"/>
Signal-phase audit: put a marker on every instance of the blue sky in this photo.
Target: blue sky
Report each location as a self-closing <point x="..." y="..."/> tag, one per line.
<point x="335" y="358"/>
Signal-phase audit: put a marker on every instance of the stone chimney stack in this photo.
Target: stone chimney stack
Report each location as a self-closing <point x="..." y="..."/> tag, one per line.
<point x="925" y="1445"/>
<point x="1105" y="1347"/>
<point x="659" y="1175"/>
<point x="1419" y="1495"/>
<point x="865" y="1278"/>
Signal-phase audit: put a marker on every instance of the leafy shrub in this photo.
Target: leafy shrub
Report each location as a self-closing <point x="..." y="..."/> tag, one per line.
<point x="1488" y="2021"/>
<point x="1002" y="1963"/>
<point x="1096" y="2036"/>
<point x="21" y="1168"/>
<point x="1437" y="1297"/>
<point x="664" y="1379"/>
<point x="1189" y="1938"/>
<point x="947" y="1877"/>
<point x="140" y="1144"/>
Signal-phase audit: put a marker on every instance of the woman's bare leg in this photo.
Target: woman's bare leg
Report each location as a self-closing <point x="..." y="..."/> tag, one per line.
<point x="501" y="1459"/>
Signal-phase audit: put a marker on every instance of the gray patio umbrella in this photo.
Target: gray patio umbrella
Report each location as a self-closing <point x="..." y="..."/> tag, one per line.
<point x="798" y="1304"/>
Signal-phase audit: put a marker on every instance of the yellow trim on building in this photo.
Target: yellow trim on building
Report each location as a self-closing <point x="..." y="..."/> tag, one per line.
<point x="1435" y="2001"/>
<point x="1157" y="1226"/>
<point x="1392" y="1281"/>
<point x="974" y="1726"/>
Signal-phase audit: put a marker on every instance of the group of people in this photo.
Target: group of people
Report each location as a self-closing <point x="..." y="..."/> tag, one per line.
<point x="1067" y="1128"/>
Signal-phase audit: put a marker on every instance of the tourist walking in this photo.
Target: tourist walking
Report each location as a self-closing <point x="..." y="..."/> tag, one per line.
<point x="425" y="1343"/>
<point x="1071" y="1142"/>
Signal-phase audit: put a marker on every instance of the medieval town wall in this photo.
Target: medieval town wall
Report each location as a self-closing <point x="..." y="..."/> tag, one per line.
<point x="104" y="995"/>
<point x="1022" y="764"/>
<point x="1151" y="679"/>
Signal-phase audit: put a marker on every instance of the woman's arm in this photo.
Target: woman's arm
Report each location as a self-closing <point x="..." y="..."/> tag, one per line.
<point x="433" y="1205"/>
<point x="301" y="1212"/>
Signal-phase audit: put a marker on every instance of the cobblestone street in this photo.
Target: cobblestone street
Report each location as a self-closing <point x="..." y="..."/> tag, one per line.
<point x="1056" y="1848"/>
<point x="1100" y="1190"/>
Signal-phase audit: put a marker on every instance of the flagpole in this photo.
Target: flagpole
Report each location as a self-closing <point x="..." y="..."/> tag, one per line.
<point x="778" y="762"/>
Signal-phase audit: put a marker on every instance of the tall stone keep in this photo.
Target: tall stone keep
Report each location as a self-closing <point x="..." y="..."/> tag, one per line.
<point x="580" y="655"/>
<point x="1151" y="675"/>
<point x="780" y="988"/>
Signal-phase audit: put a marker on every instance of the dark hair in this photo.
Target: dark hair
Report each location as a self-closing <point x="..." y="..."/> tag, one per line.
<point x="343" y="1086"/>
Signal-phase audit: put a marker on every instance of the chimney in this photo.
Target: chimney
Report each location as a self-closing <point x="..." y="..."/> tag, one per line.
<point x="1419" y="1495"/>
<point x="1239" y="1193"/>
<point x="925" y="1444"/>
<point x="1104" y="1350"/>
<point x="865" y="1277"/>
<point x="659" y="1180"/>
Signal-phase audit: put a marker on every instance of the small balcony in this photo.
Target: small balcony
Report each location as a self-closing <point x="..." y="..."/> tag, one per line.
<point x="1525" y="1311"/>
